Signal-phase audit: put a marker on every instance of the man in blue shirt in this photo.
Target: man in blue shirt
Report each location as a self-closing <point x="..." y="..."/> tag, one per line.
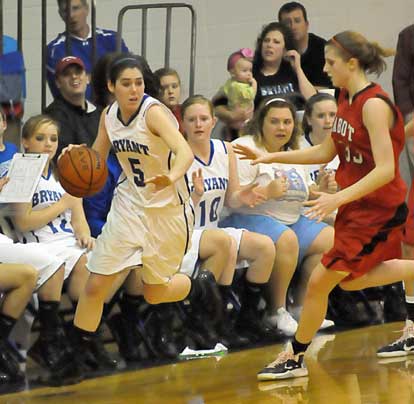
<point x="81" y="42"/>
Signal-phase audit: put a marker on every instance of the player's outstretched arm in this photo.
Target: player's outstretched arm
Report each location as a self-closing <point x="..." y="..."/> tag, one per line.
<point x="236" y="195"/>
<point x="319" y="154"/>
<point x="3" y="182"/>
<point x="102" y="144"/>
<point x="81" y="227"/>
<point x="161" y="125"/>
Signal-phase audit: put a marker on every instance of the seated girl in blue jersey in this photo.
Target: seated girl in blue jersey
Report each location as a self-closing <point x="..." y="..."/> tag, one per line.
<point x="54" y="219"/>
<point x="214" y="184"/>
<point x="298" y="240"/>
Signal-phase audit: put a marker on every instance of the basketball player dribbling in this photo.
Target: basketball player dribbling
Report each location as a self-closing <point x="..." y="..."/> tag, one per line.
<point x="150" y="215"/>
<point x="368" y="136"/>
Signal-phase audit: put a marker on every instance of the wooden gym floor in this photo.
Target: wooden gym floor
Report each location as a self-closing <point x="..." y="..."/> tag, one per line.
<point x="347" y="371"/>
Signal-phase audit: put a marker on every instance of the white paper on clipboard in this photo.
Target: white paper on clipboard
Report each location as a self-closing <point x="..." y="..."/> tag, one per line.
<point x="24" y="173"/>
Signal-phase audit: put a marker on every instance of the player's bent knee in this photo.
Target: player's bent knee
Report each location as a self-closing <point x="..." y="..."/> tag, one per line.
<point x="222" y="240"/>
<point x="96" y="287"/>
<point x="29" y="275"/>
<point x="288" y="241"/>
<point x="349" y="286"/>
<point x="266" y="247"/>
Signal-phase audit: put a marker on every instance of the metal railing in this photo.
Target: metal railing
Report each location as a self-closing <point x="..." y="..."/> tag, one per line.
<point x="144" y="17"/>
<point x="19" y="25"/>
<point x="144" y="7"/>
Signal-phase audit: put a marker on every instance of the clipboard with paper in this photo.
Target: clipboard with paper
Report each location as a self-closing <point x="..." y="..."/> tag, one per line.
<point x="24" y="173"/>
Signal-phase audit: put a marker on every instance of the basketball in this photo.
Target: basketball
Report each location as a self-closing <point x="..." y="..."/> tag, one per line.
<point x="82" y="171"/>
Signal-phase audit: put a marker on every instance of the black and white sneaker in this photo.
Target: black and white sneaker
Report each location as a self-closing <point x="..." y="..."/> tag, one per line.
<point x="286" y="366"/>
<point x="403" y="346"/>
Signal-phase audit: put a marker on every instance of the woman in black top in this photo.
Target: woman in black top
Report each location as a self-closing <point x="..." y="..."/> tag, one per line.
<point x="277" y="68"/>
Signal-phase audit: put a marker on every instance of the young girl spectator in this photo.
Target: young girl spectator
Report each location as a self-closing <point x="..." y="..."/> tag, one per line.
<point x="298" y="240"/>
<point x="277" y="68"/>
<point x="318" y="119"/>
<point x="240" y="89"/>
<point x="170" y="85"/>
<point x="368" y="136"/>
<point x="215" y="184"/>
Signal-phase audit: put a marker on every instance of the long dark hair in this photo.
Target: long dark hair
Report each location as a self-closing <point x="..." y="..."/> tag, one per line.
<point x="273" y="26"/>
<point x="124" y="61"/>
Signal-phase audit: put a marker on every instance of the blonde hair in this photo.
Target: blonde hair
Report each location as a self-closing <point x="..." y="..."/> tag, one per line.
<point x="370" y="55"/>
<point x="196" y="99"/>
<point x="35" y="122"/>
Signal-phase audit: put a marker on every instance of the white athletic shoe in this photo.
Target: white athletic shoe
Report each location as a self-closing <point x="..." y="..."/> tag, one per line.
<point x="283" y="321"/>
<point x="326" y="324"/>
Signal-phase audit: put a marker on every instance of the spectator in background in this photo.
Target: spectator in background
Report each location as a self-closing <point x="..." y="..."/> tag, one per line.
<point x="240" y="89"/>
<point x="78" y="118"/>
<point x="7" y="149"/>
<point x="298" y="240"/>
<point x="12" y="87"/>
<point x="403" y="72"/>
<point x="310" y="46"/>
<point x="81" y="41"/>
<point x="170" y="84"/>
<point x="277" y="68"/>
<point x="403" y="88"/>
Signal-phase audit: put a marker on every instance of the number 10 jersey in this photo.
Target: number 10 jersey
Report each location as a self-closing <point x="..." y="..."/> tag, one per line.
<point x="216" y="178"/>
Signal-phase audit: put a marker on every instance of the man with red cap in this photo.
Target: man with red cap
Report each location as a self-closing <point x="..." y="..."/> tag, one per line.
<point x="78" y="118"/>
<point x="79" y="34"/>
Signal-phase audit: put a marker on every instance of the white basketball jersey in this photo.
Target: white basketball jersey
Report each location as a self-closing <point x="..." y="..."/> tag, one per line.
<point x="143" y="155"/>
<point x="305" y="142"/>
<point x="48" y="192"/>
<point x="216" y="178"/>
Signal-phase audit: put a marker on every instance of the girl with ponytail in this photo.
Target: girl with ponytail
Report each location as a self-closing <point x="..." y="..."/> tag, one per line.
<point x="368" y="136"/>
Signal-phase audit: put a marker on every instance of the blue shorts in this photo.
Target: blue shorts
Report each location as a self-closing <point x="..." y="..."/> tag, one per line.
<point x="305" y="229"/>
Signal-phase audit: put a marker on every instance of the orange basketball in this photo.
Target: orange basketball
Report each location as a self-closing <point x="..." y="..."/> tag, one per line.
<point x="82" y="171"/>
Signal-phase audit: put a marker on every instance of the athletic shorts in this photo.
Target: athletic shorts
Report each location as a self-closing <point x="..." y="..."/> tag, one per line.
<point x="409" y="224"/>
<point x="191" y="261"/>
<point x="305" y="229"/>
<point x="33" y="254"/>
<point x="67" y="249"/>
<point x="157" y="238"/>
<point x="359" y="248"/>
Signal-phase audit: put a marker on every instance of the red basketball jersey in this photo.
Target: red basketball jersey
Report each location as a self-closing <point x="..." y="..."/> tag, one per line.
<point x="354" y="147"/>
<point x="368" y="231"/>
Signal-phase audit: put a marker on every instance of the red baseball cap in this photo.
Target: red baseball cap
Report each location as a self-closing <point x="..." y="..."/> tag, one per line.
<point x="67" y="61"/>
